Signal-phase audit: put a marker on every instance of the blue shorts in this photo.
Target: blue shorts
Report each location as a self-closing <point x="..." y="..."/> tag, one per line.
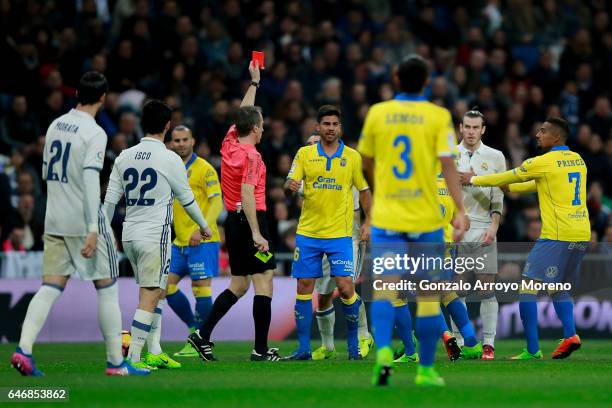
<point x="428" y="246"/>
<point x="308" y="256"/>
<point x="553" y="261"/>
<point x="200" y="262"/>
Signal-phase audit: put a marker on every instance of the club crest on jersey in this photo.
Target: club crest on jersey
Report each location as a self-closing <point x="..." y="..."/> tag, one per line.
<point x="343" y="162"/>
<point x="484" y="166"/>
<point x="551" y="272"/>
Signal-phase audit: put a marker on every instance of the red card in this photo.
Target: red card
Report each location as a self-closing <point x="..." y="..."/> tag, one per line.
<point x="259" y="57"/>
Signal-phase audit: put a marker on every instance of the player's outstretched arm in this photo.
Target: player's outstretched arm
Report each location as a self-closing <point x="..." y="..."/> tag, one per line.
<point x="495" y="180"/>
<point x="249" y="96"/>
<point x="526" y="187"/>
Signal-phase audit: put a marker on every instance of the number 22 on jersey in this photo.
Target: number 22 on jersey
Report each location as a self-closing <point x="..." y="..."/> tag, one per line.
<point x="134" y="179"/>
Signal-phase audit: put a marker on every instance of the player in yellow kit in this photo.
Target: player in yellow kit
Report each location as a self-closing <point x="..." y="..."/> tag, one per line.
<point x="403" y="143"/>
<point x="192" y="255"/>
<point x="559" y="178"/>
<point x="328" y="170"/>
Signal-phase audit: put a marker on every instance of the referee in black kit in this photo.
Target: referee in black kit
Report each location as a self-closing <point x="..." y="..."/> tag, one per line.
<point x="243" y="182"/>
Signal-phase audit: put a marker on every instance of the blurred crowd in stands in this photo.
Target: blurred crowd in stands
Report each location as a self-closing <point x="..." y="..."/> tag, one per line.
<point x="517" y="60"/>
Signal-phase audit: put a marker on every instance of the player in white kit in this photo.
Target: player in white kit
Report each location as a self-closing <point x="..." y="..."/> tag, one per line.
<point x="78" y="237"/>
<point x="483" y="206"/>
<point x="325" y="286"/>
<point x="150" y="176"/>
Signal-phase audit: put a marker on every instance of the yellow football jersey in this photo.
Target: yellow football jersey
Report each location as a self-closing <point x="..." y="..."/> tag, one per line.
<point x="559" y="177"/>
<point x="328" y="208"/>
<point x="204" y="182"/>
<point x="447" y="206"/>
<point x="405" y="137"/>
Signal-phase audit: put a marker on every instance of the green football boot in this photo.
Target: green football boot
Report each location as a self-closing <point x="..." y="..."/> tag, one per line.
<point x="383" y="368"/>
<point x="323" y="354"/>
<point x="161" y="361"/>
<point x="143" y="365"/>
<point x="471" y="353"/>
<point x="186" y="351"/>
<point x="405" y="358"/>
<point x="428" y="376"/>
<point x="365" y="345"/>
<point x="526" y="355"/>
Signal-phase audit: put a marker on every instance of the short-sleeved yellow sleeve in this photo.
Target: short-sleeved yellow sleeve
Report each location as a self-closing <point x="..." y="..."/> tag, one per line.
<point x="446" y="141"/>
<point x="296" y="172"/>
<point x="531" y="169"/>
<point x="366" y="141"/>
<point x="211" y="180"/>
<point x="359" y="180"/>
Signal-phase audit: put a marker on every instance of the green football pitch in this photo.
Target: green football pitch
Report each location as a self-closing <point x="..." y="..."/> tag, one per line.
<point x="583" y="380"/>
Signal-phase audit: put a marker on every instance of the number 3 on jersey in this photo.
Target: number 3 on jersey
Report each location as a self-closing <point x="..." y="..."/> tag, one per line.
<point x="132" y="177"/>
<point x="403" y="172"/>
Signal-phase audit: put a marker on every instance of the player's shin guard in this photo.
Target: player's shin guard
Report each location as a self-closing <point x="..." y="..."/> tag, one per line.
<point x="109" y="319"/>
<point x="428" y="328"/>
<point x="564" y="306"/>
<point x="141" y="327"/>
<point x="223" y="303"/>
<point x="528" y="308"/>
<point x="459" y="316"/>
<point x="303" y="321"/>
<point x="325" y="322"/>
<point x="381" y="313"/>
<point x="403" y="325"/>
<point x="351" y="314"/>
<point x="179" y="303"/>
<point x="153" y="341"/>
<point x="489" y="309"/>
<point x="262" y="315"/>
<point x="37" y="313"/>
<point x="456" y="328"/>
<point x="203" y="297"/>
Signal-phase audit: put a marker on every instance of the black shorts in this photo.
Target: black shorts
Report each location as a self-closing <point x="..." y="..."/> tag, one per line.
<point x="240" y="246"/>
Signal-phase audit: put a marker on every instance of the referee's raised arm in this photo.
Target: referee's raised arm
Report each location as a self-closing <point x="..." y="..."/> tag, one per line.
<point x="249" y="96"/>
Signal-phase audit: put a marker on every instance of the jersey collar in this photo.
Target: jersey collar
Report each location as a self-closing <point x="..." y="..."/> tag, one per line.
<point x="409" y="97"/>
<point x="151" y="139"/>
<point x="191" y="160"/>
<point x="338" y="153"/>
<point x="555" y="148"/>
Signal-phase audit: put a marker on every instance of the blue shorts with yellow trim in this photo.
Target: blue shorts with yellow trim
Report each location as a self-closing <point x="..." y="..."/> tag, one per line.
<point x="308" y="256"/>
<point x="552" y="261"/>
<point x="421" y="255"/>
<point x="200" y="262"/>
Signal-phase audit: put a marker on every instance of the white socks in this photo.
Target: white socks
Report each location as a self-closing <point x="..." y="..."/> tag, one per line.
<point x="37" y="313"/>
<point x="456" y="331"/>
<point x="109" y="320"/>
<point x="141" y="327"/>
<point x="362" y="329"/>
<point x="325" y="321"/>
<point x="155" y="335"/>
<point x="488" y="312"/>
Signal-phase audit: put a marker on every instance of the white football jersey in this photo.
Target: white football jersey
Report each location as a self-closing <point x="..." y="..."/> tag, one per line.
<point x="150" y="176"/>
<point x="480" y="202"/>
<point x="73" y="142"/>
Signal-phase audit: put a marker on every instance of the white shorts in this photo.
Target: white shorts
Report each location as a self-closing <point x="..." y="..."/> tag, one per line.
<point x="150" y="261"/>
<point x="326" y="284"/>
<point x="471" y="246"/>
<point x="62" y="256"/>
